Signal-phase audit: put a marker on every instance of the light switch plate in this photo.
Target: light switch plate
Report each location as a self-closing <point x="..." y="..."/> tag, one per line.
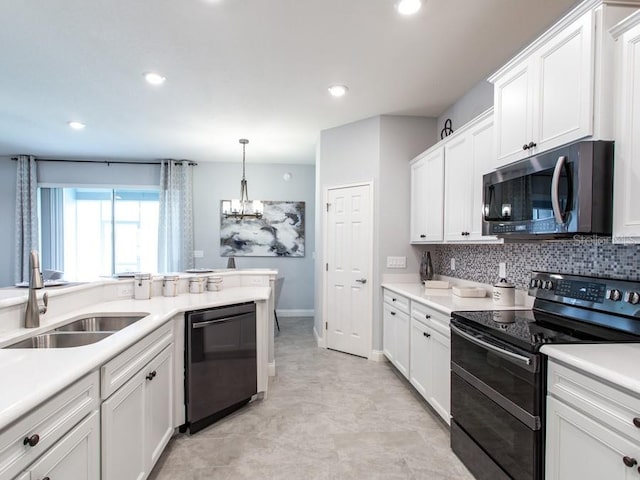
<point x="502" y="270"/>
<point x="396" y="262"/>
<point x="198" y="254"/>
<point x="453" y="264"/>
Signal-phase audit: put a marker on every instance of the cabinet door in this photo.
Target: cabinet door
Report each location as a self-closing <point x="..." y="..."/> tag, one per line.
<point x="123" y="432"/>
<point x="388" y="332"/>
<point x="579" y="447"/>
<point x="563" y="110"/>
<point x="403" y="342"/>
<point x="483" y="160"/>
<point x="513" y="101"/>
<point x="427" y="198"/>
<point x="24" y="476"/>
<point x="626" y="214"/>
<point x="439" y="394"/>
<point x="458" y="170"/>
<point x="76" y="456"/>
<point x="159" y="406"/>
<point x="420" y="376"/>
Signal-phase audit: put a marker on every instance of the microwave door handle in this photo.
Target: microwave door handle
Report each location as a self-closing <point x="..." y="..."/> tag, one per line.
<point x="555" y="187"/>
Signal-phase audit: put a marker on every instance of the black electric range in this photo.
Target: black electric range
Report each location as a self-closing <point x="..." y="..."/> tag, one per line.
<point x="498" y="374"/>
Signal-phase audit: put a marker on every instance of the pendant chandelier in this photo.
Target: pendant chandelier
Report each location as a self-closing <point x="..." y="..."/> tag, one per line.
<point x="242" y="208"/>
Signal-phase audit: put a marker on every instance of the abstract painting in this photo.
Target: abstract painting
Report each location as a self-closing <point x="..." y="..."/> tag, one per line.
<point x="279" y="233"/>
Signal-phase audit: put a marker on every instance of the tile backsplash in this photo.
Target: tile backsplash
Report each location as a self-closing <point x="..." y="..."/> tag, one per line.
<point x="594" y="256"/>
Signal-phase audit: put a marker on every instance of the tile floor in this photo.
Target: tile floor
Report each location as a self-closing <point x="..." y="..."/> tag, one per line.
<point x="329" y="415"/>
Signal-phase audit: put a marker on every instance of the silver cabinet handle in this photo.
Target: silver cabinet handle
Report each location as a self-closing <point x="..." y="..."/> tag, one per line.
<point x="362" y="280"/>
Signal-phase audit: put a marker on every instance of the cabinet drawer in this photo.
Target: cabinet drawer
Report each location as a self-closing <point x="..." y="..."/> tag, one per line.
<point x="430" y="317"/>
<point x="120" y="369"/>
<point x="609" y="405"/>
<point x="50" y="422"/>
<point x="396" y="300"/>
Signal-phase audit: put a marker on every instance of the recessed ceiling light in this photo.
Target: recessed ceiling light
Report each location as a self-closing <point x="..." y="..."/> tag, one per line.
<point x="408" y="7"/>
<point x="338" y="90"/>
<point x="76" y="125"/>
<point x="154" y="78"/>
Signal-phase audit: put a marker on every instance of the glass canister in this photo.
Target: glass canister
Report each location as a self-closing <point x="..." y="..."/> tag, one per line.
<point x="196" y="284"/>
<point x="170" y="285"/>
<point x="142" y="286"/>
<point x="214" y="283"/>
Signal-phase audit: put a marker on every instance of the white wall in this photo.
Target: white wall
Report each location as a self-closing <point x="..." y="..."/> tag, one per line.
<point x="215" y="181"/>
<point x="470" y="105"/>
<point x="377" y="149"/>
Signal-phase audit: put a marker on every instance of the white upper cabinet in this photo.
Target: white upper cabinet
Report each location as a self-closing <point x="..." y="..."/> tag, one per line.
<point x="468" y="156"/>
<point x="427" y="196"/>
<point x="626" y="214"/>
<point x="546" y="99"/>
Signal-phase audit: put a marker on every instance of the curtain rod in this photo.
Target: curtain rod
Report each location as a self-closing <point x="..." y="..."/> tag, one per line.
<point x="108" y="162"/>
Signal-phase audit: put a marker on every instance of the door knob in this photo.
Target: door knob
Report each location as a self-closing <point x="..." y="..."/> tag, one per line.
<point x="362" y="280"/>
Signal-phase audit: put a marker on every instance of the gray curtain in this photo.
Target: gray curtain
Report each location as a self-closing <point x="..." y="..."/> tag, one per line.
<point x="175" y="229"/>
<point x="26" y="215"/>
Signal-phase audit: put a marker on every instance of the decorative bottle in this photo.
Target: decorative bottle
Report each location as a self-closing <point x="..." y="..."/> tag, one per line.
<point x="423" y="266"/>
<point x="429" y="269"/>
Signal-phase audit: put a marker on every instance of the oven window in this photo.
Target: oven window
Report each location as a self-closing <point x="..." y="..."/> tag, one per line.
<point x="526" y="198"/>
<point x="510" y="443"/>
<point x="506" y="377"/>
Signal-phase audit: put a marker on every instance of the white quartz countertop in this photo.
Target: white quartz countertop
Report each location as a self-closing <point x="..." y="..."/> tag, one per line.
<point x="31" y="376"/>
<point x="444" y="300"/>
<point x="616" y="363"/>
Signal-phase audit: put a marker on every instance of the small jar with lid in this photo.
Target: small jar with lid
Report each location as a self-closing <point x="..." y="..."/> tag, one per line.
<point x="214" y="283"/>
<point x="142" y="286"/>
<point x="197" y="284"/>
<point x="170" y="285"/>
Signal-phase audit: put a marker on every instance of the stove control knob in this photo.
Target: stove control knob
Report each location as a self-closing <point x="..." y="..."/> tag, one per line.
<point x="632" y="297"/>
<point x="534" y="283"/>
<point x="614" y="295"/>
<point x="548" y="285"/>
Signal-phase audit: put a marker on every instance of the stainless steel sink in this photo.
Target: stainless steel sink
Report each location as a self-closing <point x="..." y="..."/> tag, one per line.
<point x="103" y="323"/>
<point x="61" y="340"/>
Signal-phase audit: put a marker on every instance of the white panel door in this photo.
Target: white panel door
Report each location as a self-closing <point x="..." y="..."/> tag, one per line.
<point x="420" y="357"/>
<point x="159" y="406"/>
<point x="349" y="258"/>
<point x="75" y="457"/>
<point x="581" y="448"/>
<point x="388" y="332"/>
<point x="626" y="214"/>
<point x="403" y="342"/>
<point x="513" y="112"/>
<point x="457" y="174"/>
<point x="439" y="394"/>
<point x="564" y="94"/>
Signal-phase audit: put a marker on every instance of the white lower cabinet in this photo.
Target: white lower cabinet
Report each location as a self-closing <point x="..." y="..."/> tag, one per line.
<point x="76" y="456"/>
<point x="430" y="365"/>
<point x="591" y="428"/>
<point x="396" y="336"/>
<point x="137" y="421"/>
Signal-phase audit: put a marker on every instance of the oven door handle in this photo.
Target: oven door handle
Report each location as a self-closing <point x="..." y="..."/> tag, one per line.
<point x="555" y="190"/>
<point x="210" y="322"/>
<point x="489" y="346"/>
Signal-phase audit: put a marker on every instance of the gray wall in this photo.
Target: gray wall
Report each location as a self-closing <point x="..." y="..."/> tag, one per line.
<point x="7" y="216"/>
<point x="377" y="149"/>
<point x="215" y="181"/>
<point x="469" y="106"/>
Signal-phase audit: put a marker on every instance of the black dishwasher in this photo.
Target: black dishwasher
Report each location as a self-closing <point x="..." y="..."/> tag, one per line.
<point x="220" y="362"/>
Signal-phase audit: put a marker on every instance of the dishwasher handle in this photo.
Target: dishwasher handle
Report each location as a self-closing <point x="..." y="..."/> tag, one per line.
<point x="210" y="322"/>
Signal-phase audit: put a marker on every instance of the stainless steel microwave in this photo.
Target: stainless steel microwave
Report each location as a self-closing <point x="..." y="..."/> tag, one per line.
<point x="560" y="193"/>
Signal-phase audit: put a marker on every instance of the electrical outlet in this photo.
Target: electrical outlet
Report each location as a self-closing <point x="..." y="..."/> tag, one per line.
<point x="198" y="254"/>
<point x="502" y="270"/>
<point x="453" y="264"/>
<point x="396" y="262"/>
<point x="125" y="290"/>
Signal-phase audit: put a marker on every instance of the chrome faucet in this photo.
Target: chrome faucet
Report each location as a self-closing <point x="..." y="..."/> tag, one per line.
<point x="32" y="314"/>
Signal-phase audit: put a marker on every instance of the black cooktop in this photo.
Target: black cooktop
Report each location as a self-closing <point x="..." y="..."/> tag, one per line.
<point x="530" y="329"/>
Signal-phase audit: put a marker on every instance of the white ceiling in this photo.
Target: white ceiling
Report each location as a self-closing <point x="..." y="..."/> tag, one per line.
<point x="238" y="68"/>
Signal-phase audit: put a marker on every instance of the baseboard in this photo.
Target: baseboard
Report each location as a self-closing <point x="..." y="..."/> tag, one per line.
<point x="377" y="356"/>
<point x="271" y="368"/>
<point x="292" y="312"/>
<point x="319" y="339"/>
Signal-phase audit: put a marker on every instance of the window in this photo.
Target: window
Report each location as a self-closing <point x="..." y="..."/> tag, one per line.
<point x="89" y="232"/>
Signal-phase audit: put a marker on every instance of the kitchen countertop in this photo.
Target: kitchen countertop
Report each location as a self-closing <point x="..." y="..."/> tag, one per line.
<point x="31" y="376"/>
<point x="616" y="363"/>
<point x="445" y="301"/>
